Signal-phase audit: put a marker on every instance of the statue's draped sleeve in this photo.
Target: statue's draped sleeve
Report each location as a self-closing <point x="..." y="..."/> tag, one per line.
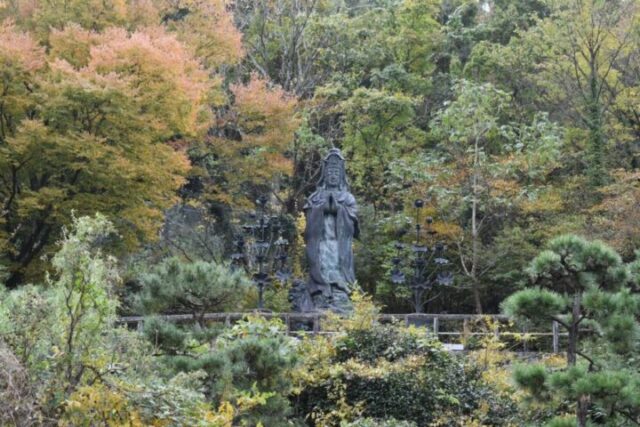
<point x="314" y="213"/>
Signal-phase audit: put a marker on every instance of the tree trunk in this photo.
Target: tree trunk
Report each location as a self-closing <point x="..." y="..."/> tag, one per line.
<point x="572" y="348"/>
<point x="475" y="234"/>
<point x="582" y="410"/>
<point x="582" y="405"/>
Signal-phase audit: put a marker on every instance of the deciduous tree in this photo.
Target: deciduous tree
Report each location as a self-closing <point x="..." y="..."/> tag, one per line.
<point x="94" y="136"/>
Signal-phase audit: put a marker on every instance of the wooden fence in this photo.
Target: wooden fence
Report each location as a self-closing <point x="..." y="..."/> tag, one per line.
<point x="447" y="327"/>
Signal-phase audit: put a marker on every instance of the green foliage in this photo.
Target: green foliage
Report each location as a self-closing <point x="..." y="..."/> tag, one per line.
<point x="249" y="362"/>
<point x="569" y="256"/>
<point x="63" y="333"/>
<point x="533" y="378"/>
<point x="196" y="288"/>
<point x="590" y="283"/>
<point x="387" y="342"/>
<point x="82" y="299"/>
<point x="391" y="374"/>
<point x="474" y="113"/>
<point x="82" y="369"/>
<point x="250" y="359"/>
<point x="377" y="126"/>
<point x="534" y="304"/>
<point x="259" y="357"/>
<point x="562" y="422"/>
<point x="517" y="121"/>
<point x="494" y="165"/>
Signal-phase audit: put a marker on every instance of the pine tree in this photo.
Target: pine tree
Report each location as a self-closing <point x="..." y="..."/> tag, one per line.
<point x="584" y="284"/>
<point x="249" y="360"/>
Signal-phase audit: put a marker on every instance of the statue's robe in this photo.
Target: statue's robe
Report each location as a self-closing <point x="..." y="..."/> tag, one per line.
<point x="328" y="238"/>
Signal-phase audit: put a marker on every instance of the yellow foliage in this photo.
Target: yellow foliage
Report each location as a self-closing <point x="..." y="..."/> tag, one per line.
<point x="316" y="353"/>
<point x="616" y="218"/>
<point x="73" y="44"/>
<point x="364" y="316"/>
<point x="555" y="361"/>
<point x="109" y="406"/>
<point x="493" y="358"/>
<point x="381" y="368"/>
<point x="504" y="188"/>
<point x="299" y="246"/>
<point x="494" y="361"/>
<point x="99" y="404"/>
<point x="550" y="200"/>
<point x="343" y="410"/>
<point x="223" y="417"/>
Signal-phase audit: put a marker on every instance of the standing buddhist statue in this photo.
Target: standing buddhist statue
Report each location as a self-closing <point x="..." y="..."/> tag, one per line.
<point x="332" y="224"/>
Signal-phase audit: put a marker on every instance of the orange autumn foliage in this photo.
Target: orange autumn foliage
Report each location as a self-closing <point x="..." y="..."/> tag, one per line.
<point x="173" y="81"/>
<point x="85" y="128"/>
<point x="19" y="49"/>
<point x="264" y="119"/>
<point x="207" y="27"/>
<point x="111" y="98"/>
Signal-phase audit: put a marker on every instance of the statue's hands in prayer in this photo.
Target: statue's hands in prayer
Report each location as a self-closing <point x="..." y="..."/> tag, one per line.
<point x="331" y="204"/>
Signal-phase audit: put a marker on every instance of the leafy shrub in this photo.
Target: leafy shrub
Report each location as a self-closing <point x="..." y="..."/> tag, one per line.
<point x="412" y="378"/>
<point x="384" y="372"/>
<point x="66" y="364"/>
<point x="58" y="332"/>
<point x="388" y="342"/>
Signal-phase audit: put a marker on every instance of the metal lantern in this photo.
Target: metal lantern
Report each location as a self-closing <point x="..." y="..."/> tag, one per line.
<point x="422" y="265"/>
<point x="261" y="250"/>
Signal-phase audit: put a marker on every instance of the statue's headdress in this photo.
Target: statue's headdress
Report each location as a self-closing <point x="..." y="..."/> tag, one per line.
<point x="334" y="159"/>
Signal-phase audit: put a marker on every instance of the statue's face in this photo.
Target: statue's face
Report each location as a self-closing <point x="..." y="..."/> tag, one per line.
<point x="332" y="178"/>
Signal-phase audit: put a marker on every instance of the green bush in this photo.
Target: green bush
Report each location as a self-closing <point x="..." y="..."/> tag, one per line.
<point x="390" y="372"/>
<point x="384" y="341"/>
<point x="196" y="288"/>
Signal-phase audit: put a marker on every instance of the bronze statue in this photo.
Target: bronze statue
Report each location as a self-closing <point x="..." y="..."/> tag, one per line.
<point x="332" y="224"/>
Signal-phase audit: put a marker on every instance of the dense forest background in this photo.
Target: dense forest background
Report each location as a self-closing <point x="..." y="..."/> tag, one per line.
<point x="515" y="120"/>
<point x="137" y="135"/>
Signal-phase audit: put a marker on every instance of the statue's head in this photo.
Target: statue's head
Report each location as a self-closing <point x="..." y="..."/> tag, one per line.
<point x="333" y="171"/>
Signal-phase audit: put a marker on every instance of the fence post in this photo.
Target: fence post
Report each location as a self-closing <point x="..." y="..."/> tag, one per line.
<point x="465" y="331"/>
<point x="316" y="324"/>
<point x="287" y="323"/>
<point x="525" y="341"/>
<point x="556" y="337"/>
<point x="436" y="326"/>
<point x="227" y="321"/>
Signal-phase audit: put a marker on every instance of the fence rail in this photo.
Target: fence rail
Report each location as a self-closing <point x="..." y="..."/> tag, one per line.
<point x="444" y="326"/>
